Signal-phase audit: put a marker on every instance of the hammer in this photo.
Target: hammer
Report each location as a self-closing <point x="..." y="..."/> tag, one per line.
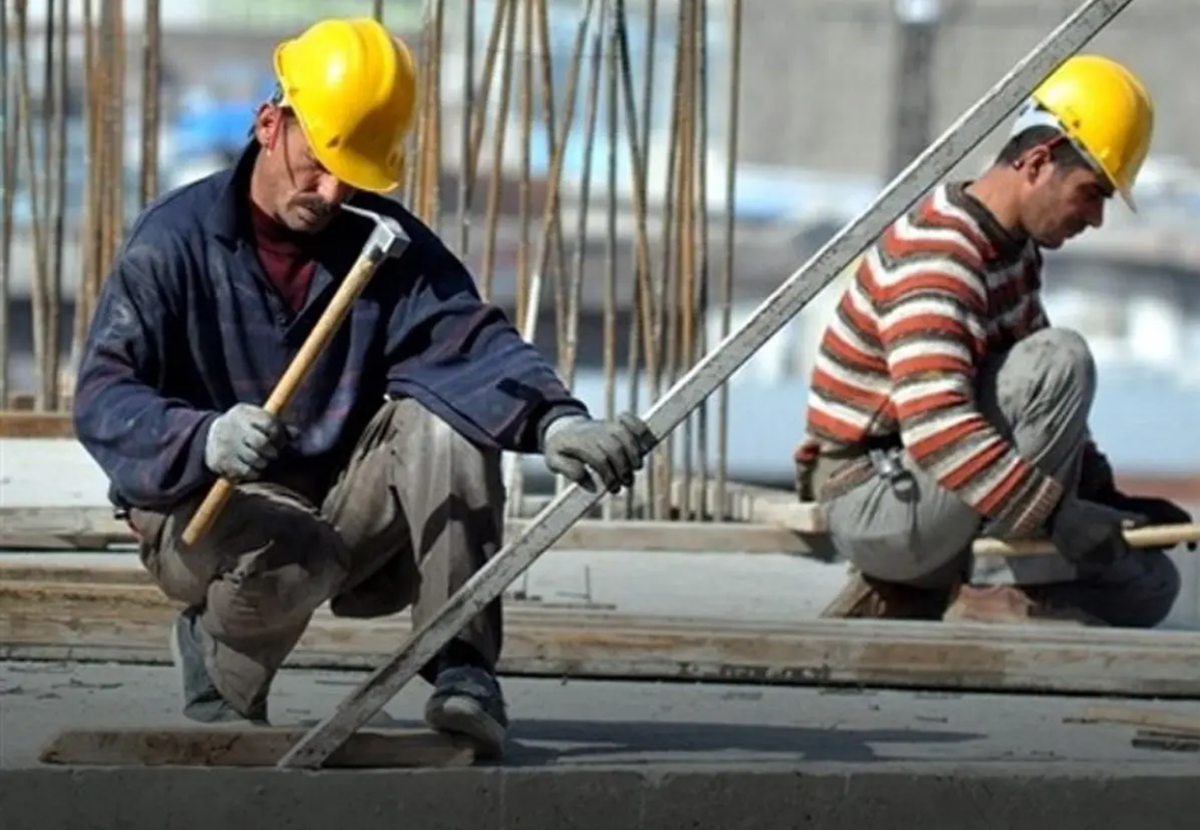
<point x="387" y="240"/>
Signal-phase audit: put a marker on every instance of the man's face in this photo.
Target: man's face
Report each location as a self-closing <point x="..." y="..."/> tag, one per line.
<point x="297" y="189"/>
<point x="1060" y="202"/>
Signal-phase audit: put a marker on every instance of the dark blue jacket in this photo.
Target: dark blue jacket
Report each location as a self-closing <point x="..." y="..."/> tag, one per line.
<point x="187" y="325"/>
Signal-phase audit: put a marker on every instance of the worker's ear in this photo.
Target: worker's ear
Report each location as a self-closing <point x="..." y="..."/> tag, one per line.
<point x="268" y="121"/>
<point x="1034" y="163"/>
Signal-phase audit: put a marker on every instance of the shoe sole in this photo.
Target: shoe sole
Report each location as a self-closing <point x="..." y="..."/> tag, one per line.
<point x="463" y="716"/>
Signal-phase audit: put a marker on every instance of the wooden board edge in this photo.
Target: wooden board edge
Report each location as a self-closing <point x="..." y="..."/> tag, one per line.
<point x="21" y="424"/>
<point x="600" y="646"/>
<point x="247" y="746"/>
<point x="95" y="528"/>
<point x="1177" y="723"/>
<point x="138" y="602"/>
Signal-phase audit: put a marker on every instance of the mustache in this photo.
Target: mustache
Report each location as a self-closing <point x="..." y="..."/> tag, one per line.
<point x="321" y="208"/>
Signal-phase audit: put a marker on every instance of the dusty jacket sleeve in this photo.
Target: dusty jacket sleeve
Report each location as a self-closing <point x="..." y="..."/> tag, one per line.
<point x="463" y="358"/>
<point x="149" y="445"/>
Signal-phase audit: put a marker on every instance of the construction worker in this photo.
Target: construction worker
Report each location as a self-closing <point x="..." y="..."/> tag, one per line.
<point x="380" y="487"/>
<point x="944" y="405"/>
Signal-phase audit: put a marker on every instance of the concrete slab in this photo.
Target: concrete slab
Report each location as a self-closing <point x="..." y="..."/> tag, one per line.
<point x="621" y="755"/>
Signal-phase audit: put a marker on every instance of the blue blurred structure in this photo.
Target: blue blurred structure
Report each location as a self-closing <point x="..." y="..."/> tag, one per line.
<point x="216" y="121"/>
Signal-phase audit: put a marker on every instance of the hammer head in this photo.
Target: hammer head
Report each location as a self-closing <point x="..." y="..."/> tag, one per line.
<point x="387" y="238"/>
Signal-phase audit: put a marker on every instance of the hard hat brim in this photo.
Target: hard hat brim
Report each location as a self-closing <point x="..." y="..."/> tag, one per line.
<point x="359" y="173"/>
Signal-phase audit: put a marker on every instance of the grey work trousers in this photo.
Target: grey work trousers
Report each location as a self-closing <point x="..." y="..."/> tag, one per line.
<point x="911" y="530"/>
<point x="416" y="511"/>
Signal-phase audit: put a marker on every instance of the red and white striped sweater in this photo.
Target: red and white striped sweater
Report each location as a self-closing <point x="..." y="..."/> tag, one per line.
<point x="942" y="287"/>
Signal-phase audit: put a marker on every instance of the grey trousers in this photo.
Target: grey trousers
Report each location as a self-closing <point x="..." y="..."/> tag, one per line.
<point x="913" y="531"/>
<point x="411" y="517"/>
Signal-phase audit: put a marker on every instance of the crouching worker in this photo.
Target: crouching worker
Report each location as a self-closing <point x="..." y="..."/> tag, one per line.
<point x="944" y="406"/>
<point x="380" y="489"/>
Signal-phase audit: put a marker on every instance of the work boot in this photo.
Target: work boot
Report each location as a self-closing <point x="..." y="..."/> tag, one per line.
<point x="874" y="599"/>
<point x="467" y="701"/>
<point x="1015" y="605"/>
<point x="201" y="700"/>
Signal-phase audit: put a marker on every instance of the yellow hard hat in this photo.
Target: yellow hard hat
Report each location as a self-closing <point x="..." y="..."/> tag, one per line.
<point x="353" y="88"/>
<point x="1106" y="112"/>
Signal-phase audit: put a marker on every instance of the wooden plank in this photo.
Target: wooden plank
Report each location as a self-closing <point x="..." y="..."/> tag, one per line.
<point x="1161" y="721"/>
<point x="54" y="620"/>
<point x="246" y="746"/>
<point x="1165" y="741"/>
<point x="31" y="570"/>
<point x="27" y="401"/>
<point x="771" y="505"/>
<point x="126" y="593"/>
<point x="94" y="528"/>
<point x="18" y="424"/>
<point x="751" y="503"/>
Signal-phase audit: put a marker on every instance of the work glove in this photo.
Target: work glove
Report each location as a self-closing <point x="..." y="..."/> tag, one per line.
<point x="1090" y="534"/>
<point x="1098" y="483"/>
<point x="1157" y="510"/>
<point x="243" y="441"/>
<point x="573" y="445"/>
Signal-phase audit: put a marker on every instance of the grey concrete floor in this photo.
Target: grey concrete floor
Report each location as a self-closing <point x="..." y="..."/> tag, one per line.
<point x="583" y="723"/>
<point x="627" y="756"/>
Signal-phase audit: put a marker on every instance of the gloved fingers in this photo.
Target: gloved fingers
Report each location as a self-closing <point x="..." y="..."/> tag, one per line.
<point x="574" y="470"/>
<point x="627" y="453"/>
<point x="238" y="471"/>
<point x="263" y="447"/>
<point x="639" y="430"/>
<point x="614" y="455"/>
<point x="1132" y="520"/>
<point x="633" y="439"/>
<point x="1084" y="531"/>
<point x="1164" y="512"/>
<point x="272" y="429"/>
<point x="602" y="459"/>
<point x="251" y="459"/>
<point x="257" y="421"/>
<point x="1156" y="510"/>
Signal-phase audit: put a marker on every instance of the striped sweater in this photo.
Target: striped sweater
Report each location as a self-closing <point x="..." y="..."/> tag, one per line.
<point x="942" y="287"/>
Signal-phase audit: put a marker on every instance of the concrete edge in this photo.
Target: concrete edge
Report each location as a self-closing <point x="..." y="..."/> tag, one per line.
<point x="660" y="797"/>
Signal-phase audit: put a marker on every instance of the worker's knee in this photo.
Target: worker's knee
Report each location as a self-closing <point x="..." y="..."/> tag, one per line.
<point x="435" y="452"/>
<point x="1059" y="360"/>
<point x="273" y="560"/>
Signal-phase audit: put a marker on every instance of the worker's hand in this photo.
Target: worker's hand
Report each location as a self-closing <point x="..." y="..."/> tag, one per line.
<point x="243" y="441"/>
<point x="1091" y="534"/>
<point x="612" y="450"/>
<point x="1157" y="511"/>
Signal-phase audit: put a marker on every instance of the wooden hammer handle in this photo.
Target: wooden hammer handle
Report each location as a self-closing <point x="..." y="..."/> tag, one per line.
<point x="316" y="342"/>
<point x="1151" y="536"/>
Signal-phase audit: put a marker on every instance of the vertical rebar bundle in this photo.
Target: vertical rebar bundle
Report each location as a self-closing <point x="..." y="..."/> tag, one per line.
<point x="590" y="185"/>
